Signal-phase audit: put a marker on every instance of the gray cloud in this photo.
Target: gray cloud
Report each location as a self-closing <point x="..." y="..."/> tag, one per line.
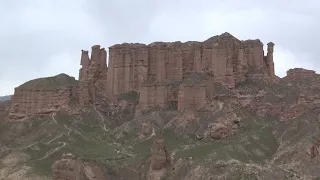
<point x="44" y="37"/>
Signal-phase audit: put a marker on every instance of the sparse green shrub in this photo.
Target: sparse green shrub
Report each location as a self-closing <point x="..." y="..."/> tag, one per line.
<point x="173" y="105"/>
<point x="131" y="96"/>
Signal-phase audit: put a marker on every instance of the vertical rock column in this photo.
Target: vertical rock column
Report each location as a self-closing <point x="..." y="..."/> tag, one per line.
<point x="95" y="62"/>
<point x="103" y="59"/>
<point x="270" y="63"/>
<point x="85" y="63"/>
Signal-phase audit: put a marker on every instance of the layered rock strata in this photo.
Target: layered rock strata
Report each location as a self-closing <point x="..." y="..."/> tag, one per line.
<point x="298" y="73"/>
<point x="225" y="57"/>
<point x="150" y="68"/>
<point x="42" y="96"/>
<point x="165" y="74"/>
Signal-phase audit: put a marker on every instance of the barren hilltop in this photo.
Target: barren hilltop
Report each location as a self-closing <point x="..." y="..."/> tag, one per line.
<point x="166" y="110"/>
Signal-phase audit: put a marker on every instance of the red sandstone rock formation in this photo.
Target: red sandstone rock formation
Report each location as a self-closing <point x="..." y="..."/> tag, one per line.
<point x="192" y="96"/>
<point x="158" y="71"/>
<point x="42" y="96"/>
<point x="94" y="67"/>
<point x="70" y="168"/>
<point x="226" y="58"/>
<point x="149" y="68"/>
<point x="298" y="73"/>
<point x="159" y="160"/>
<point x="93" y="73"/>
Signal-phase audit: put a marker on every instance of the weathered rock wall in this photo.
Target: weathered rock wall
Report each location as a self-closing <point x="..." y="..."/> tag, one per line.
<point x="28" y="102"/>
<point x="298" y="73"/>
<point x="94" y="67"/>
<point x="93" y="74"/>
<point x="43" y="96"/>
<point x="156" y="70"/>
<point x="153" y="96"/>
<point x="192" y="96"/>
<point x="128" y="68"/>
<point x="227" y="59"/>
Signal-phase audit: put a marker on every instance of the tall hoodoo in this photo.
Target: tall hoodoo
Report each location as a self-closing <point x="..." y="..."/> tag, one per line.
<point x="93" y="74"/>
<point x="85" y="63"/>
<point x="95" y="66"/>
<point x="269" y="59"/>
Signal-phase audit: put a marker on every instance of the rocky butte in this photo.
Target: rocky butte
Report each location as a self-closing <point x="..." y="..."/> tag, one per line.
<point x="164" y="74"/>
<point x="166" y="110"/>
<point x="160" y="71"/>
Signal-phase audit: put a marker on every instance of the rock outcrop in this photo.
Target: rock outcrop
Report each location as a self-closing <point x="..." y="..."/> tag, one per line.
<point x="298" y="73"/>
<point x="154" y="69"/>
<point x="93" y="74"/>
<point x="43" y="96"/>
<point x="159" y="160"/>
<point x="47" y="95"/>
<point x="71" y="168"/>
<point x="165" y="74"/>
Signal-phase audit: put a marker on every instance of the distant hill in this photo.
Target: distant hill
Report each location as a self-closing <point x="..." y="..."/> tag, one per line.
<point x="5" y="98"/>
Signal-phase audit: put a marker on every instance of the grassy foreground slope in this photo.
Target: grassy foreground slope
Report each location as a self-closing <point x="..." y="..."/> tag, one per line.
<point x="260" y="148"/>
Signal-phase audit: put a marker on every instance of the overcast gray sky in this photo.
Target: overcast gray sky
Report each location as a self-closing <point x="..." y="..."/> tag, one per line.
<point x="44" y="37"/>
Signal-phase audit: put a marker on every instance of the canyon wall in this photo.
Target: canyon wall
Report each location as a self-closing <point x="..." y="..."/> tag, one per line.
<point x="93" y="73"/>
<point x="192" y="96"/>
<point x="152" y="69"/>
<point x="48" y="95"/>
<point x="42" y="96"/>
<point x="164" y="73"/>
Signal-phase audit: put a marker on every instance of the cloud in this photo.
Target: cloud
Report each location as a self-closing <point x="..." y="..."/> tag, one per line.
<point x="44" y="37"/>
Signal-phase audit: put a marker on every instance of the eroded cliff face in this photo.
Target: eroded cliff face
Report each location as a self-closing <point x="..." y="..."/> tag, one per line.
<point x="166" y="74"/>
<point x="298" y="73"/>
<point x="42" y="96"/>
<point x="154" y="69"/>
<point x="93" y="73"/>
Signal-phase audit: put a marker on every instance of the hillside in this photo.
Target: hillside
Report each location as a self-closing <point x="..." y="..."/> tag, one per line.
<point x="190" y="121"/>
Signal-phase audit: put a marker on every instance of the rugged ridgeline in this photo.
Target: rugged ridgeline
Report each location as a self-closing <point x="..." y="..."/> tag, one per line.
<point x="48" y="95"/>
<point x="43" y="96"/>
<point x="165" y="74"/>
<point x="161" y="71"/>
<point x="193" y="110"/>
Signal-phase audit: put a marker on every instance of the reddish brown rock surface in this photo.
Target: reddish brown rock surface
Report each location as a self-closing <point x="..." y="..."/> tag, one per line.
<point x="42" y="96"/>
<point x="159" y="160"/>
<point x="150" y="68"/>
<point x="166" y="74"/>
<point x="70" y="168"/>
<point x="298" y="73"/>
